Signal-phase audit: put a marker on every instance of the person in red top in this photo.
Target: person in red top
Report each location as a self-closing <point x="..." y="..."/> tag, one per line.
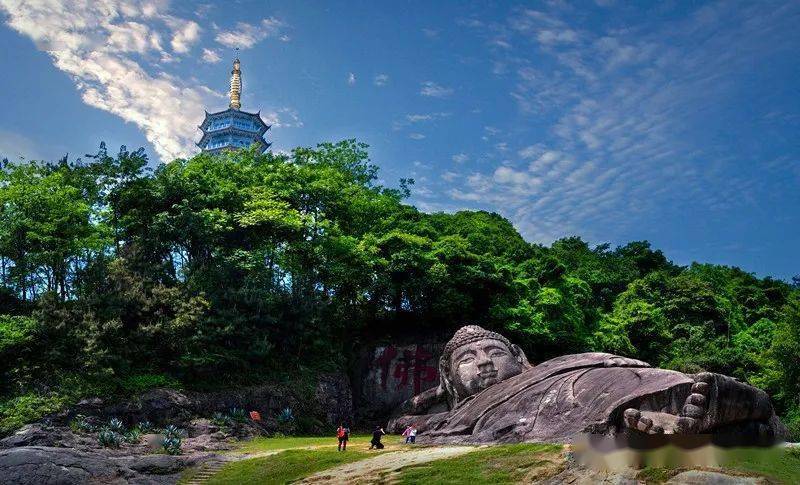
<point x="343" y="433"/>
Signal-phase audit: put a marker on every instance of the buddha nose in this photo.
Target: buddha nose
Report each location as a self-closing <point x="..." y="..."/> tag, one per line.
<point x="485" y="363"/>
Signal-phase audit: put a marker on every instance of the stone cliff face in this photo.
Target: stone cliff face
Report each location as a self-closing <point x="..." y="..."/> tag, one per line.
<point x="330" y="402"/>
<point x="389" y="373"/>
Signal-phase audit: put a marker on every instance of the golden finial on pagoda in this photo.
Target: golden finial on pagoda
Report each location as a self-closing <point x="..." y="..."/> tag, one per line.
<point x="236" y="85"/>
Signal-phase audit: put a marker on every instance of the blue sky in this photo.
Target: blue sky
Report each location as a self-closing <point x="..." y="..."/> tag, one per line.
<point x="675" y="122"/>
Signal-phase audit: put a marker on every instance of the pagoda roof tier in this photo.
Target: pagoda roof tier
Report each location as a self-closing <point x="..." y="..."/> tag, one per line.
<point x="264" y="147"/>
<point x="233" y="131"/>
<point x="234" y="113"/>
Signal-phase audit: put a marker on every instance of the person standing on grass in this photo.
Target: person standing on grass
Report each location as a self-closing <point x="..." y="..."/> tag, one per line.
<point x="407" y="433"/>
<point x="376" y="438"/>
<point x="343" y="433"/>
<point x="412" y="434"/>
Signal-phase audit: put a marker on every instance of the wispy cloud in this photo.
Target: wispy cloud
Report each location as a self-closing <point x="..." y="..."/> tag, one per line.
<point x="245" y="36"/>
<point x="460" y="157"/>
<point x="381" y="79"/>
<point x="416" y="136"/>
<point x="416" y="118"/>
<point x="351" y="79"/>
<point x="625" y="105"/>
<point x="430" y="88"/>
<point x="211" y="56"/>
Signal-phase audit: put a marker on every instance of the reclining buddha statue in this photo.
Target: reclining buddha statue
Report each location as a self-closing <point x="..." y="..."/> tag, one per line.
<point x="489" y="392"/>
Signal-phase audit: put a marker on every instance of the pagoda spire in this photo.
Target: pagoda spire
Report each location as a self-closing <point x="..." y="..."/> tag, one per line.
<point x="233" y="128"/>
<point x="236" y="85"/>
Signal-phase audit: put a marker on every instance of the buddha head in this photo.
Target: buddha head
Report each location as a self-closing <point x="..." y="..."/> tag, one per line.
<point x="476" y="358"/>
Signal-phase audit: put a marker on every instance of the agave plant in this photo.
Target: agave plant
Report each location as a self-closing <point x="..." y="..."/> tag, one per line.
<point x="109" y="438"/>
<point x="285" y="416"/>
<point x="133" y="435"/>
<point x="81" y="423"/>
<point x="172" y="440"/>
<point x="220" y="419"/>
<point x="238" y="415"/>
<point x="172" y="431"/>
<point x="116" y="426"/>
<point x="172" y="445"/>
<point x="145" y="427"/>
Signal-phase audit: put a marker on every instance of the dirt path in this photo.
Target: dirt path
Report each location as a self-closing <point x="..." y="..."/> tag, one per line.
<point x="373" y="470"/>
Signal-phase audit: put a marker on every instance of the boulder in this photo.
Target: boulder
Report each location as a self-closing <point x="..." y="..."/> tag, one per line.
<point x="157" y="406"/>
<point x="35" y="465"/>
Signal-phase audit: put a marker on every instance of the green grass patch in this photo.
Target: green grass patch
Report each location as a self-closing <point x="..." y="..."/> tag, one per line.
<point x="260" y="444"/>
<point x="494" y="465"/>
<point x="27" y="408"/>
<point x="285" y="466"/>
<point x="779" y="464"/>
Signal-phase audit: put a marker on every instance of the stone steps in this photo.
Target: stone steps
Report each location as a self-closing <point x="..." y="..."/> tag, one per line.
<point x="207" y="470"/>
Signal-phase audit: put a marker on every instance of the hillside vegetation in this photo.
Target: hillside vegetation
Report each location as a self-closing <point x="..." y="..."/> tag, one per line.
<point x="116" y="278"/>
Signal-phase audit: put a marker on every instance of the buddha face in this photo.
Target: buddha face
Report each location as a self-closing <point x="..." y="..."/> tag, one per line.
<point x="478" y="365"/>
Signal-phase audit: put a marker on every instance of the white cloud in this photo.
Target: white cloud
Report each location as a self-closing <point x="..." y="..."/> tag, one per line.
<point x="92" y="42"/>
<point x="430" y="88"/>
<point x="623" y="101"/>
<point x="133" y="37"/>
<point x="211" y="56"/>
<point x="416" y="136"/>
<point x="414" y="118"/>
<point x="449" y="176"/>
<point x="351" y="78"/>
<point x="245" y="36"/>
<point x="557" y="36"/>
<point x="185" y="34"/>
<point x="460" y="157"/>
<point x="381" y="79"/>
<point x="417" y="117"/>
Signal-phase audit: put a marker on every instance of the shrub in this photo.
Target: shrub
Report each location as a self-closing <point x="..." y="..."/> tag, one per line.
<point x="109" y="439"/>
<point x="139" y="383"/>
<point x="28" y="408"/>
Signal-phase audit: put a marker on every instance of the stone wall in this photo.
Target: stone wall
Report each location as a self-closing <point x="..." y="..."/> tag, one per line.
<point x="390" y="373"/>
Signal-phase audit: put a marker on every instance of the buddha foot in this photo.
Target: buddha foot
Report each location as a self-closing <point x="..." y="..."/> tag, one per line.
<point x="687" y="421"/>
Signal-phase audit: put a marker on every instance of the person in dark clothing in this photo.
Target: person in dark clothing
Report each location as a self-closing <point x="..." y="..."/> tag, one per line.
<point x="343" y="433"/>
<point x="376" y="438"/>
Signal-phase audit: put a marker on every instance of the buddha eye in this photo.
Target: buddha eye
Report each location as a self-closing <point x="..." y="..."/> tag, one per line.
<point x="498" y="353"/>
<point x="466" y="360"/>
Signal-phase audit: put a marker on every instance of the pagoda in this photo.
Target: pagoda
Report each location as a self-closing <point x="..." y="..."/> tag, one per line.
<point x="233" y="129"/>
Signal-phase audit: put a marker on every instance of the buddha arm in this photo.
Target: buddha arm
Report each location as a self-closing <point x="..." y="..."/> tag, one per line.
<point x="422" y="402"/>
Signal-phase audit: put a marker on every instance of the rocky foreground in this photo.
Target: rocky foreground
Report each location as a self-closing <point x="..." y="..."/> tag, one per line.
<point x="55" y="450"/>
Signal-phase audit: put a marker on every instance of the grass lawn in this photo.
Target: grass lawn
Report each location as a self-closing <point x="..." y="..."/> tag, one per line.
<point x="257" y="445"/>
<point x="779" y="464"/>
<point x="285" y="466"/>
<point x="495" y="465"/>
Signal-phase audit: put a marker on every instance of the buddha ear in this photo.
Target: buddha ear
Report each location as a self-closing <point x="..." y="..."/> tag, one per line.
<point x="520" y="355"/>
<point x="445" y="385"/>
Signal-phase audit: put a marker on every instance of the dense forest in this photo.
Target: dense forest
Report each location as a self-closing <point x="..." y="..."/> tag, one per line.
<point x="116" y="277"/>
